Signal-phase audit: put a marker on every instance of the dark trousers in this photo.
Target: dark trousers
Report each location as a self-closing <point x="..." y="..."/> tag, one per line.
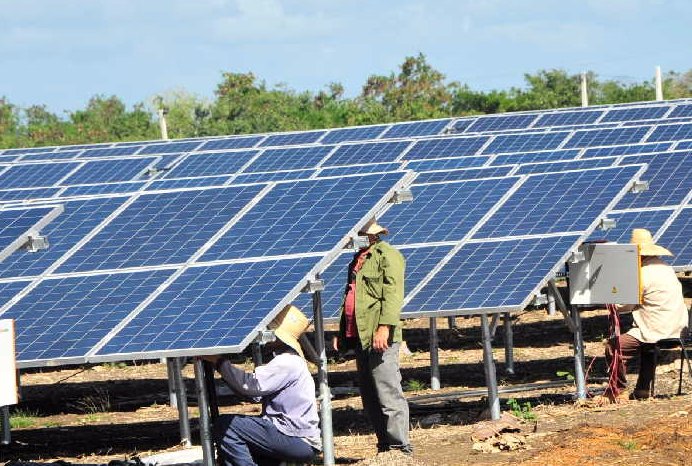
<point x="631" y="347"/>
<point x="252" y="440"/>
<point x="383" y="398"/>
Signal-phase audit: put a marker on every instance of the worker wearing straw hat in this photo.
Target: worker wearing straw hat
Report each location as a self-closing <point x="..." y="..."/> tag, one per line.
<point x="287" y="429"/>
<point x="371" y="325"/>
<point x="662" y="314"/>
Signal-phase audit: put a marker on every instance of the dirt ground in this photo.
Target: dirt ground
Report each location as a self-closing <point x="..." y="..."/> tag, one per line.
<point x="119" y="411"/>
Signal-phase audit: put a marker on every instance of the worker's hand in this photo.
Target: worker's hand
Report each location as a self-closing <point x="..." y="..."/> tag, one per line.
<point x="335" y="342"/>
<point x="380" y="341"/>
<point x="213" y="358"/>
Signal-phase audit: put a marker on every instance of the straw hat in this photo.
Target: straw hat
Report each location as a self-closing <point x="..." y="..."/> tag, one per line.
<point x="647" y="247"/>
<point x="373" y="228"/>
<point x="289" y="325"/>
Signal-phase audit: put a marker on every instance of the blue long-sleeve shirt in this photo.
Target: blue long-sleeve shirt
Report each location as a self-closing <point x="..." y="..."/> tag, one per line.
<point x="286" y="390"/>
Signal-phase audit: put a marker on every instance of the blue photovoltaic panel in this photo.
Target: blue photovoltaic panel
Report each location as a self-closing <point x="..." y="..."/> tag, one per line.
<point x="445" y="147"/>
<point x="652" y="220"/>
<point x="655" y="122"/>
<point x="303" y="216"/>
<point x="291" y="175"/>
<point x="496" y="123"/>
<point x="65" y="155"/>
<point x="108" y="171"/>
<point x="525" y="142"/>
<point x="8" y="158"/>
<point x="28" y="150"/>
<point x="555" y="202"/>
<point x="336" y="136"/>
<point x="211" y="163"/>
<point x="72" y="225"/>
<point x="161" y="228"/>
<point x="212" y="307"/>
<point x="529" y="157"/>
<point x="295" y="158"/>
<point x="107" y="188"/>
<point x="443" y="212"/>
<point x="170" y="148"/>
<point x="463" y="174"/>
<point x="449" y="163"/>
<point x="353" y="154"/>
<point x="137" y="143"/>
<point x="82" y="147"/>
<point x="629" y="114"/>
<point x="8" y="195"/>
<point x="10" y="290"/>
<point x="567" y="118"/>
<point x="669" y="176"/>
<point x="292" y="139"/>
<point x="188" y="183"/>
<point x="35" y="175"/>
<point x="678" y="240"/>
<point x="66" y="317"/>
<point x="418" y="128"/>
<point x="109" y="151"/>
<point x="491" y="275"/>
<point x="15" y="223"/>
<point x="231" y="143"/>
<point x="461" y="125"/>
<point x="671" y="133"/>
<point x="358" y="169"/>
<point x="607" y="137"/>
<point x="684" y="145"/>
<point x="681" y="111"/>
<point x="625" y="150"/>
<point x="547" y="167"/>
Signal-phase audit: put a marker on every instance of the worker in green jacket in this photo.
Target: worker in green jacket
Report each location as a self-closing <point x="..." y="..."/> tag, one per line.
<point x="371" y="325"/>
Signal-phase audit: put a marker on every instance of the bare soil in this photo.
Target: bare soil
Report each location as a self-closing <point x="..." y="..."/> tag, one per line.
<point x="118" y="411"/>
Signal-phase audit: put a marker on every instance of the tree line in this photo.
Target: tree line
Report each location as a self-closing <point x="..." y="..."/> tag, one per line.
<point x="243" y="103"/>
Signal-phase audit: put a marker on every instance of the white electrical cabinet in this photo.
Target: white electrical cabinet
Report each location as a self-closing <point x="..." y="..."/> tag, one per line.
<point x="605" y="273"/>
<point x="8" y="368"/>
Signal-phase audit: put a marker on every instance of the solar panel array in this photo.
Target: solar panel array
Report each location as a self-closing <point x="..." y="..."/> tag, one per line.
<point x="201" y="241"/>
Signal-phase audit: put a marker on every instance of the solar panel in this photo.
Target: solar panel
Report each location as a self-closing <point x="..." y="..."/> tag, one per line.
<point x="78" y="219"/>
<point x="525" y="142"/>
<point x="652" y="220"/>
<point x="444" y="211"/>
<point x="211" y="163"/>
<point x="678" y="240"/>
<point x="555" y="202"/>
<point x="169" y="148"/>
<point x="177" y="183"/>
<point x="568" y="118"/>
<point x="28" y="150"/>
<point x="497" y="275"/>
<point x="9" y="290"/>
<point x="231" y="143"/>
<point x="501" y="122"/>
<point x="671" y="133"/>
<point x="353" y="154"/>
<point x="288" y="175"/>
<point x="447" y="163"/>
<point x="35" y="174"/>
<point x="7" y="195"/>
<point x="463" y="174"/>
<point x="82" y="147"/>
<point x="289" y="159"/>
<point x="65" y="155"/>
<point x="17" y="224"/>
<point x="684" y="145"/>
<point x="546" y="167"/>
<point x="625" y="150"/>
<point x="416" y="128"/>
<point x="109" y="151"/>
<point x="461" y="125"/>
<point x="681" y="111"/>
<point x="107" y="188"/>
<point x="161" y="228"/>
<point x="529" y="157"/>
<point x="668" y="176"/>
<point x="358" y="169"/>
<point x="446" y="147"/>
<point x="303" y="216"/>
<point x="359" y="133"/>
<point x="629" y="114"/>
<point x="64" y="318"/>
<point x="107" y="171"/>
<point x="607" y="137"/>
<point x="292" y="139"/>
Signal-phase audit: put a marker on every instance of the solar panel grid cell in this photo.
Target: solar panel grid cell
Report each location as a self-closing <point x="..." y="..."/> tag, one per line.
<point x="671" y="132"/>
<point x="210" y="164"/>
<point x="681" y="111"/>
<point x="336" y="136"/>
<point x="108" y="171"/>
<point x="463" y="174"/>
<point x="418" y="128"/>
<point x="231" y="143"/>
<point x="678" y="240"/>
<point x="358" y="169"/>
<point x="447" y="163"/>
<point x="110" y="151"/>
<point x="35" y="175"/>
<point x="17" y="222"/>
<point x="106" y="188"/>
<point x="625" y="150"/>
<point x="64" y="155"/>
<point x="291" y="175"/>
<point x="354" y="154"/>
<point x="528" y="157"/>
<point x="294" y="158"/>
<point x="564" y="166"/>
<point x="567" y="118"/>
<point x="176" y="183"/>
<point x="525" y="142"/>
<point x="170" y="148"/>
<point x="607" y="137"/>
<point x="292" y="139"/>
<point x="9" y="195"/>
<point x="652" y="220"/>
<point x="446" y="147"/>
<point x="629" y="114"/>
<point x="496" y="123"/>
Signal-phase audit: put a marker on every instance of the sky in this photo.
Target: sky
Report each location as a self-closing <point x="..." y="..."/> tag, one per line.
<point x="62" y="52"/>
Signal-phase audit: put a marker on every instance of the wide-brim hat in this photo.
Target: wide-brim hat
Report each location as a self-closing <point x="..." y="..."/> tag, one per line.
<point x="642" y="237"/>
<point x="373" y="228"/>
<point x="289" y="325"/>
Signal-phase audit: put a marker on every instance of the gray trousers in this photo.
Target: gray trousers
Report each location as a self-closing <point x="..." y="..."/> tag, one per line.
<point x="383" y="398"/>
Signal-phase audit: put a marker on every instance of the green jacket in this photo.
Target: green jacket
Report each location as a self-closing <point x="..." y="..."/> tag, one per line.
<point x="379" y="294"/>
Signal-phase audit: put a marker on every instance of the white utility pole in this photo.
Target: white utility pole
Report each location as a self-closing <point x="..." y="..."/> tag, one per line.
<point x="162" y="123"/>
<point x="584" y="91"/>
<point x="659" y="84"/>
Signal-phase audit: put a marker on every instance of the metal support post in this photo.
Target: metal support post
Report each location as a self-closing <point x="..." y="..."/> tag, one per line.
<point x="584" y="90"/>
<point x="509" y="344"/>
<point x="434" y="356"/>
<point x="452" y="322"/>
<point x="325" y="392"/>
<point x="6" y="428"/>
<point x="257" y="354"/>
<point x="204" y="417"/>
<point x="172" y="392"/>
<point x="551" y="301"/>
<point x="162" y="123"/>
<point x="181" y="396"/>
<point x="659" y="84"/>
<point x="489" y="364"/>
<point x="579" y="375"/>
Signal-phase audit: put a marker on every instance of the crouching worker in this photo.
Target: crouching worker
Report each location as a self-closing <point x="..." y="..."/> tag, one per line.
<point x="287" y="430"/>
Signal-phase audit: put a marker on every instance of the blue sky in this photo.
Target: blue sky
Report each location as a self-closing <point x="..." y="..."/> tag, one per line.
<point x="62" y="52"/>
